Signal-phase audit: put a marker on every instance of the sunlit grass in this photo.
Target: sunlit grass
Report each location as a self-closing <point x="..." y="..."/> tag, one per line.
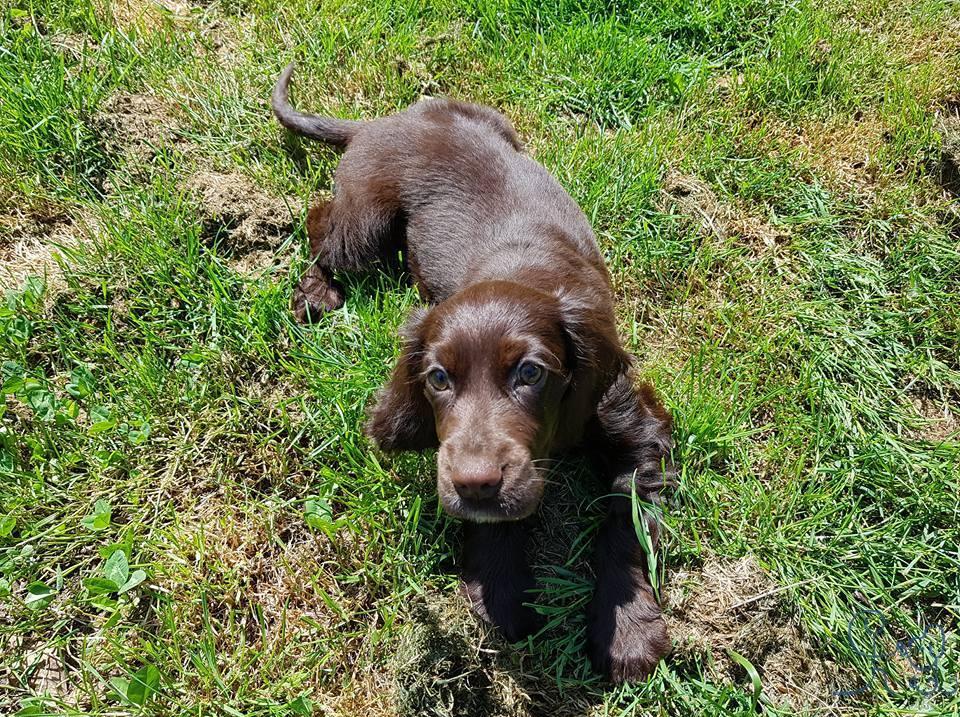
<point x="764" y="180"/>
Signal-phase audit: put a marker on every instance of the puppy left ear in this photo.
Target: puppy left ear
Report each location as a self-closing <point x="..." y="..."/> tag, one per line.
<point x="402" y="418"/>
<point x="597" y="358"/>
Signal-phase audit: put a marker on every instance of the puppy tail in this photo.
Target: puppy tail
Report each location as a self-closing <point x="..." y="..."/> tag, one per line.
<point x="337" y="132"/>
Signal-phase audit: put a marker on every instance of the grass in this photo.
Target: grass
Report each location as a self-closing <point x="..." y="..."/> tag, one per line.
<point x="190" y="519"/>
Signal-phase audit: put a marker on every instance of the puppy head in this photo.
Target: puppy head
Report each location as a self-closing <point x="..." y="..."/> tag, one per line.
<point x="496" y="376"/>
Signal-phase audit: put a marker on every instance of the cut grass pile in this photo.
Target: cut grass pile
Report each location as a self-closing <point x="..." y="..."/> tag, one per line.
<point x="190" y="519"/>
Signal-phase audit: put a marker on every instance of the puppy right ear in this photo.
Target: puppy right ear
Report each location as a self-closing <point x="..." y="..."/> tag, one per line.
<point x="402" y="418"/>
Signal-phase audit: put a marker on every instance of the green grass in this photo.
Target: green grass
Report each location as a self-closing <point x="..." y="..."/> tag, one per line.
<point x="763" y="178"/>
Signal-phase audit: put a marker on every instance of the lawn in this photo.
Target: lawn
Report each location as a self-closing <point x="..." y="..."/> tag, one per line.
<point x="191" y="521"/>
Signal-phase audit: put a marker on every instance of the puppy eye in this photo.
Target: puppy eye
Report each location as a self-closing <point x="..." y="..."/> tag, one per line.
<point x="438" y="379"/>
<point x="529" y="373"/>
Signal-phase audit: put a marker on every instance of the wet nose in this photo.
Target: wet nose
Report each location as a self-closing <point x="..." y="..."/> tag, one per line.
<point x="477" y="479"/>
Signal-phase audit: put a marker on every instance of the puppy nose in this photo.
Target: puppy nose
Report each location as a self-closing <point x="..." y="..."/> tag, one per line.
<point x="477" y="479"/>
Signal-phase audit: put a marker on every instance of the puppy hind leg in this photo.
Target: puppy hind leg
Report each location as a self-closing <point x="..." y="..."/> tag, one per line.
<point x="344" y="236"/>
<point x="317" y="292"/>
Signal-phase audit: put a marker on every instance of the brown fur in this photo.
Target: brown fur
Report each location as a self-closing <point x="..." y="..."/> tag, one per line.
<point x="517" y="290"/>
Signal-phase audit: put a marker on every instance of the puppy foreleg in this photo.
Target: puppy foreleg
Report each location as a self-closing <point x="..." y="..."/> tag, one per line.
<point x="626" y="634"/>
<point x="497" y="579"/>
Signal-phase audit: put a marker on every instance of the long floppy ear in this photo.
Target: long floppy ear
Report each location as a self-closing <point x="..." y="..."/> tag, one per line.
<point x="401" y="418"/>
<point x="596" y="356"/>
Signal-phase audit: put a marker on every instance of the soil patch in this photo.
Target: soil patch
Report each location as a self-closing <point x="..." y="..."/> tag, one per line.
<point x="31" y="244"/>
<point x="846" y="154"/>
<point x="737" y="606"/>
<point x="39" y="667"/>
<point x="244" y="223"/>
<point x="697" y="206"/>
<point x="940" y="422"/>
<point x="145" y="14"/>
<point x="136" y="126"/>
<point x="947" y="170"/>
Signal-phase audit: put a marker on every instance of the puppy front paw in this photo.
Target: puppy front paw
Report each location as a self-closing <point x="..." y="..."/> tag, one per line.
<point x="502" y="606"/>
<point x="626" y="634"/>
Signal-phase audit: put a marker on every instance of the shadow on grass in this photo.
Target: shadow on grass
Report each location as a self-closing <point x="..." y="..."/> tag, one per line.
<point x="448" y="663"/>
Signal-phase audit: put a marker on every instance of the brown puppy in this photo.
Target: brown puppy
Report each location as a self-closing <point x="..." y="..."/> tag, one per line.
<point x="516" y="360"/>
